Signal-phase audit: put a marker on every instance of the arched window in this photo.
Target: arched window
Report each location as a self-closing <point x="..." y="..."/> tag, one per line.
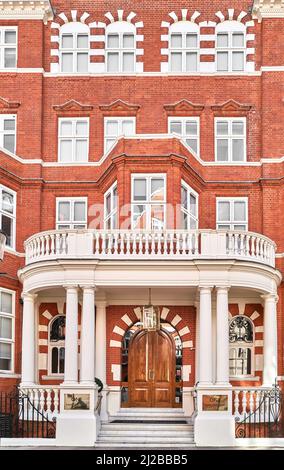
<point x="241" y="346"/>
<point x="56" y="341"/>
<point x="74" y="48"/>
<point x="184" y="47"/>
<point x="230" y="46"/>
<point x="120" y="47"/>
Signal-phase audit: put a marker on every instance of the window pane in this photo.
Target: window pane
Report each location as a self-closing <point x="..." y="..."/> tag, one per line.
<point x="5" y="356"/>
<point x="7" y="228"/>
<point x="81" y="152"/>
<point x="193" y="204"/>
<point x="61" y="360"/>
<point x="7" y="202"/>
<point x="238" y="61"/>
<point x="112" y="128"/>
<point x="64" y="209"/>
<point x="10" y="58"/>
<point x="79" y="211"/>
<point x="82" y="62"/>
<point x="6" y="302"/>
<point x="115" y="197"/>
<point x="176" y="127"/>
<point x="9" y="124"/>
<point x="139" y="189"/>
<point x="239" y="227"/>
<point x="67" y="41"/>
<point x="139" y="217"/>
<point x="83" y="41"/>
<point x="128" y="40"/>
<point x="239" y="210"/>
<point x="108" y="204"/>
<point x="67" y="62"/>
<point x="66" y="128"/>
<point x="157" y="217"/>
<point x="193" y="224"/>
<point x="184" y="197"/>
<point x="109" y="143"/>
<point x="176" y="40"/>
<point x="222" y="61"/>
<point x="10" y="37"/>
<point x="222" y="40"/>
<point x="176" y="62"/>
<point x="127" y="127"/>
<point x="222" y="150"/>
<point x="223" y="211"/>
<point x="113" y="40"/>
<point x="192" y="143"/>
<point x="191" y="128"/>
<point x="222" y="128"/>
<point x="191" y="40"/>
<point x="128" y="62"/>
<point x="54" y="361"/>
<point x="9" y="142"/>
<point x="5" y="328"/>
<point x="238" y="150"/>
<point x="157" y="189"/>
<point x="184" y="221"/>
<point x="81" y="128"/>
<point x="191" y="62"/>
<point x="238" y="40"/>
<point x="237" y="128"/>
<point x="112" y="62"/>
<point x="65" y="150"/>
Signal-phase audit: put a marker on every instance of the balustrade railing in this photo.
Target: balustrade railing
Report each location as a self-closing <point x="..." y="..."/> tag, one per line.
<point x="130" y="244"/>
<point x="249" y="401"/>
<point x="44" y="399"/>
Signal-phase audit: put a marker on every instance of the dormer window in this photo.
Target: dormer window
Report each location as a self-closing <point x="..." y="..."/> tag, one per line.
<point x="120" y="47"/>
<point x="230" y="47"/>
<point x="74" y="48"/>
<point x="184" y="47"/>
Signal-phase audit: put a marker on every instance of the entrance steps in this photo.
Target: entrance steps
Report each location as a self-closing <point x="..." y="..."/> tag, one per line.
<point x="155" y="428"/>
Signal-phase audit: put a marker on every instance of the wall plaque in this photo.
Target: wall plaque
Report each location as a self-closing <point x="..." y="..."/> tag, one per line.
<point x="76" y="401"/>
<point x="215" y="402"/>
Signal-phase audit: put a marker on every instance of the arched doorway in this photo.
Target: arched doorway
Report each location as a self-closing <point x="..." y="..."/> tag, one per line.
<point x="152" y="367"/>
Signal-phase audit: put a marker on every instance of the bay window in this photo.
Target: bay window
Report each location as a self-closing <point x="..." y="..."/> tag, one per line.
<point x="148" y="201"/>
<point x="230" y="139"/>
<point x="110" y="208"/>
<point x="8" y="215"/>
<point x="7" y="320"/>
<point x="71" y="213"/>
<point x="189" y="207"/>
<point x="73" y="140"/>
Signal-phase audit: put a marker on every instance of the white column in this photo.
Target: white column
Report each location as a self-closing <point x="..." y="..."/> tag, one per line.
<point x="222" y="370"/>
<point x="205" y="337"/>
<point x="197" y="340"/>
<point x="71" y="336"/>
<point x="28" y="340"/>
<point x="269" y="340"/>
<point x="87" y="348"/>
<point x="101" y="341"/>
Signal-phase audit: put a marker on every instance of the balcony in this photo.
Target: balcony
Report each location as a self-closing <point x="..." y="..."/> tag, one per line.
<point x="150" y="245"/>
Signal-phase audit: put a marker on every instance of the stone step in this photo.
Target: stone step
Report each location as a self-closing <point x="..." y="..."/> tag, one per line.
<point x="153" y="417"/>
<point x="145" y="439"/>
<point x="148" y="445"/>
<point x="147" y="427"/>
<point x="151" y="410"/>
<point x="143" y="432"/>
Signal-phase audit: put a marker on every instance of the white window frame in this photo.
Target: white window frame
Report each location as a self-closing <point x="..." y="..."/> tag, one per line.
<point x="113" y="214"/>
<point x="75" y="29"/>
<point x="188" y="212"/>
<point x="242" y="345"/>
<point x="148" y="203"/>
<point x="120" y="28"/>
<point x="230" y="137"/>
<point x="4" y="46"/>
<point x="73" y="138"/>
<point x="51" y="345"/>
<point x="231" y="222"/>
<point x="184" y="28"/>
<point x="230" y="28"/>
<point x="11" y="216"/>
<point x="119" y="120"/>
<point x="184" y="136"/>
<point x="10" y="341"/>
<point x="4" y="117"/>
<point x="72" y="200"/>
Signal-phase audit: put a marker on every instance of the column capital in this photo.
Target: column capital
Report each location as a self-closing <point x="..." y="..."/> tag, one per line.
<point x="223" y="288"/>
<point x="270" y="297"/>
<point x="206" y="289"/>
<point x="88" y="287"/>
<point x="70" y="287"/>
<point x="28" y="296"/>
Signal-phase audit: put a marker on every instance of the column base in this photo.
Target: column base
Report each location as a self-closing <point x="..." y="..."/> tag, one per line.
<point x="214" y="430"/>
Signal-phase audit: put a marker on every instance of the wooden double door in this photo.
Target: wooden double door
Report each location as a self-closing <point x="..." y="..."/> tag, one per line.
<point x="151" y="369"/>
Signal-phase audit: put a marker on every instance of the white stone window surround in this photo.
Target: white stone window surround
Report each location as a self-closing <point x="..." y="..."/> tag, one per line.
<point x="192" y="215"/>
<point x="148" y="202"/>
<point x="184" y="29"/>
<point x="72" y="222"/>
<point x="75" y="31"/>
<point x="111" y="139"/>
<point x="8" y="130"/>
<point x="230" y="137"/>
<point x="54" y="344"/>
<point x="231" y="29"/>
<point x="184" y="134"/>
<point x="9" y="213"/>
<point x="232" y="223"/>
<point x="110" y="216"/>
<point x="4" y="45"/>
<point x="9" y="316"/>
<point x="118" y="31"/>
<point x="245" y="346"/>
<point x="74" y="137"/>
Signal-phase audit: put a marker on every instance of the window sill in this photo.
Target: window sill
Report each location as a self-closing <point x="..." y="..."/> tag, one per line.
<point x="53" y="377"/>
<point x="9" y="375"/>
<point x="244" y="379"/>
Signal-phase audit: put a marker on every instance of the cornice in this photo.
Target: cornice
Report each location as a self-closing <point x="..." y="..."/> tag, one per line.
<point x="26" y="9"/>
<point x="72" y="105"/>
<point x="267" y="9"/>
<point x="183" y="107"/>
<point x="231" y="108"/>
<point x="120" y="106"/>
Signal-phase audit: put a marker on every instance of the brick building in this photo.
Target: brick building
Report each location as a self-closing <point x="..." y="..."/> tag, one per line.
<point x="141" y="157"/>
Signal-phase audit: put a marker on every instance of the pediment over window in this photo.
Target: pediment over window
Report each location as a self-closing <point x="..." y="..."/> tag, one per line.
<point x="73" y="105"/>
<point x="6" y="104"/>
<point x="231" y="108"/>
<point x="120" y="106"/>
<point x="184" y="107"/>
